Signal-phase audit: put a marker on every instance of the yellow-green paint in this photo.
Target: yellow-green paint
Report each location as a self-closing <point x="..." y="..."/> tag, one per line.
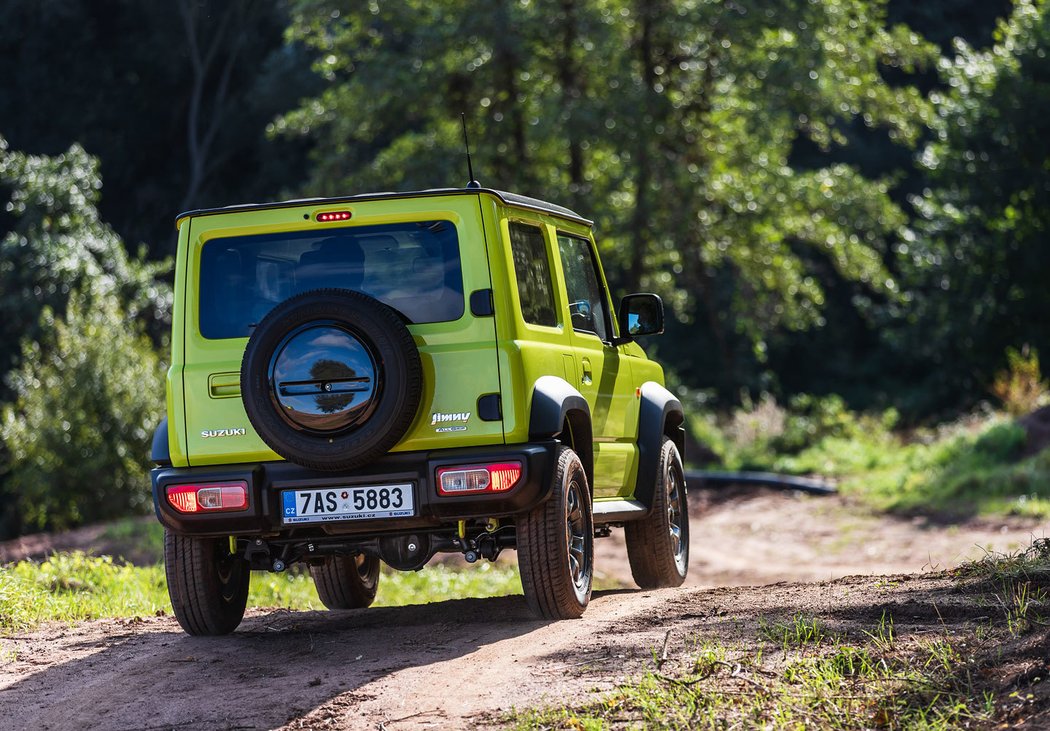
<point x="462" y="360"/>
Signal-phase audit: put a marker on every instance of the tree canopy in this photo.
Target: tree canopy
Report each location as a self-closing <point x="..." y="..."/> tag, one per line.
<point x="835" y="197"/>
<point x="672" y="123"/>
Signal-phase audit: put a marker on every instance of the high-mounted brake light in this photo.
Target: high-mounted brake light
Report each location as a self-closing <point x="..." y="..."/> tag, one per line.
<point x="213" y="497"/>
<point x="467" y="479"/>
<point x="333" y="216"/>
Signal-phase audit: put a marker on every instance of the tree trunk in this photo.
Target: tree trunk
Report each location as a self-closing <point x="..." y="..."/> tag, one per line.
<point x="572" y="93"/>
<point x="642" y="214"/>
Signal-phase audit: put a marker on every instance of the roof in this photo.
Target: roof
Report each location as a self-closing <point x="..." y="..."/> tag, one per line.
<point x="512" y="199"/>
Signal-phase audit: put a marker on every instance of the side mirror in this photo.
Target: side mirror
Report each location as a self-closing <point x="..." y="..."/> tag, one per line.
<point x="640" y="314"/>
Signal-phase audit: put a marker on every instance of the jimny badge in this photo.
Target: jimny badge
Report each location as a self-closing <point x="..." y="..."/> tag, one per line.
<point x="449" y="422"/>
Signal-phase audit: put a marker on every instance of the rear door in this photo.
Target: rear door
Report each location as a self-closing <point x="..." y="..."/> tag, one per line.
<point x="421" y="256"/>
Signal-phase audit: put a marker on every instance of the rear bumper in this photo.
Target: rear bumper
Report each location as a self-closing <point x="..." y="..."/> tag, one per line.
<point x="267" y="480"/>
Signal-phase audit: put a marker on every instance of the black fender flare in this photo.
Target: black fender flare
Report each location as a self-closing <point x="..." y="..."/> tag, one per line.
<point x="660" y="415"/>
<point x="160" y="452"/>
<point x="554" y="403"/>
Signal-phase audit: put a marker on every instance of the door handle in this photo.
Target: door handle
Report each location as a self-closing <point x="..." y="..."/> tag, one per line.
<point x="586" y="379"/>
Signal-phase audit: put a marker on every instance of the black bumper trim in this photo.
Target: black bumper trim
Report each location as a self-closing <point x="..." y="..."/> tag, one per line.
<point x="266" y="480"/>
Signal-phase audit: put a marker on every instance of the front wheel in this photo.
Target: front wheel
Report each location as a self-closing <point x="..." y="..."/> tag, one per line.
<point x="347" y="582"/>
<point x="658" y="545"/>
<point x="207" y="584"/>
<point x="556" y="544"/>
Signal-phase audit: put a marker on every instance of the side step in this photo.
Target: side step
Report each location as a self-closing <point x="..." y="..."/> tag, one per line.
<point x="618" y="511"/>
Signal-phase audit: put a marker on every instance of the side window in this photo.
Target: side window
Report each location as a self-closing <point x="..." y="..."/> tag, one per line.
<point x="533" y="272"/>
<point x="586" y="300"/>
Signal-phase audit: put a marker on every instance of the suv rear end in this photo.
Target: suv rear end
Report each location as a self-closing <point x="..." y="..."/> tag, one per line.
<point x="338" y="396"/>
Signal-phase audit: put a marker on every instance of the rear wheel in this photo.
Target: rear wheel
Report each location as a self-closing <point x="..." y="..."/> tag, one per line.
<point x="347" y="582"/>
<point x="556" y="545"/>
<point x="207" y="584"/>
<point x="658" y="546"/>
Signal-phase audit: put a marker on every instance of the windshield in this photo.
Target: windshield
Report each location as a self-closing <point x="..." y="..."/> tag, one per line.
<point x="412" y="267"/>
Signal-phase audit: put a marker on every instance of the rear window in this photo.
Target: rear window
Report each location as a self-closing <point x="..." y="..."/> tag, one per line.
<point x="412" y="267"/>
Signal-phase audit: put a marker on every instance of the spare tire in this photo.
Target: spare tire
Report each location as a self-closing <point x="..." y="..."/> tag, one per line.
<point x="331" y="379"/>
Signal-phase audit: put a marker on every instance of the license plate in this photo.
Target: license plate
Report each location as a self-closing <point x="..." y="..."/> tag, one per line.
<point x="363" y="502"/>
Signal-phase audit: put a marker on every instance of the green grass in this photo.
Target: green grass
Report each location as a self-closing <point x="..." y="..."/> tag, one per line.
<point x="73" y="586"/>
<point x="1015" y="585"/>
<point x="970" y="467"/>
<point x="845" y="687"/>
<point x="799" y="631"/>
<point x="70" y="587"/>
<point x="861" y="678"/>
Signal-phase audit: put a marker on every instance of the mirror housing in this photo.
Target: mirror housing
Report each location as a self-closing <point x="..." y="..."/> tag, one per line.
<point x="640" y="314"/>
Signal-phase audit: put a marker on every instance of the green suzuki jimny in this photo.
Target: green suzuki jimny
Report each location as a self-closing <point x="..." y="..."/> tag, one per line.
<point x="385" y="377"/>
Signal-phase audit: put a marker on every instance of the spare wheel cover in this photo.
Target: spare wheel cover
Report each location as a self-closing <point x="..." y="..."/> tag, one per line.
<point x="331" y="379"/>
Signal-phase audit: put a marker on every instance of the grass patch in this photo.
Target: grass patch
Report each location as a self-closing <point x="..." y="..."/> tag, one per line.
<point x="69" y="587"/>
<point x="965" y="671"/>
<point x="971" y="466"/>
<point x="1015" y="585"/>
<point x="845" y="687"/>
<point x="73" y="586"/>
<point x="799" y="631"/>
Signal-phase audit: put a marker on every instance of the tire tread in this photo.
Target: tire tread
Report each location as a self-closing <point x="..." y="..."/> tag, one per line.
<point x="546" y="582"/>
<point x="649" y="547"/>
<point x="195" y="589"/>
<point x="339" y="585"/>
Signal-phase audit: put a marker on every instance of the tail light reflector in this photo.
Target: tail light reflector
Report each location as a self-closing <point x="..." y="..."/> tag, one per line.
<point x="468" y="479"/>
<point x="212" y="497"/>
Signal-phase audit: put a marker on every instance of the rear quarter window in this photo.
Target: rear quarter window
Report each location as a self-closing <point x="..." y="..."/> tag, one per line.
<point x="532" y="272"/>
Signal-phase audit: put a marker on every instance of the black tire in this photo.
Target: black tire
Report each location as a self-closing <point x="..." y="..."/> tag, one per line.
<point x="556" y="544"/>
<point x="347" y="582"/>
<point x="658" y="545"/>
<point x="207" y="584"/>
<point x="288" y="377"/>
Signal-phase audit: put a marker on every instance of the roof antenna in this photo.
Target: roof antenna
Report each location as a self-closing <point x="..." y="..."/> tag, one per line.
<point x="473" y="184"/>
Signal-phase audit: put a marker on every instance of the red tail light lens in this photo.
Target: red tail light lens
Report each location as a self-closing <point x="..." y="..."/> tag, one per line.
<point x="468" y="479"/>
<point x="213" y="497"/>
<point x="183" y="499"/>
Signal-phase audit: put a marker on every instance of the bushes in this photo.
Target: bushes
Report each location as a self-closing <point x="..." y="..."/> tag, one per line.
<point x="763" y="435"/>
<point x="975" y="464"/>
<point x="1021" y="387"/>
<point x="80" y="388"/>
<point x="88" y="395"/>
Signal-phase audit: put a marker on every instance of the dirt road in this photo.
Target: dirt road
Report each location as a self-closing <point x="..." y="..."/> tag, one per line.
<point x="463" y="663"/>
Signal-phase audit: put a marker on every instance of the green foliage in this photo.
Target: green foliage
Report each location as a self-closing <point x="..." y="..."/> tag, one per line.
<point x="57" y="244"/>
<point x="799" y="631"/>
<point x="1021" y="387"/>
<point x="973" y="465"/>
<point x="673" y="123"/>
<point x="87" y="397"/>
<point x="845" y="686"/>
<point x="761" y="435"/>
<point x="976" y="269"/>
<point x="1017" y="584"/>
<point x="73" y="586"/>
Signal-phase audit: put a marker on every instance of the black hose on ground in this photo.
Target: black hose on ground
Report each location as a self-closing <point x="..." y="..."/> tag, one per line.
<point x="766" y="479"/>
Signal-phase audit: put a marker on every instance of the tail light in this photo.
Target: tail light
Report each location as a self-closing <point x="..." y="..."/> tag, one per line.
<point x="467" y="479"/>
<point x="213" y="497"/>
